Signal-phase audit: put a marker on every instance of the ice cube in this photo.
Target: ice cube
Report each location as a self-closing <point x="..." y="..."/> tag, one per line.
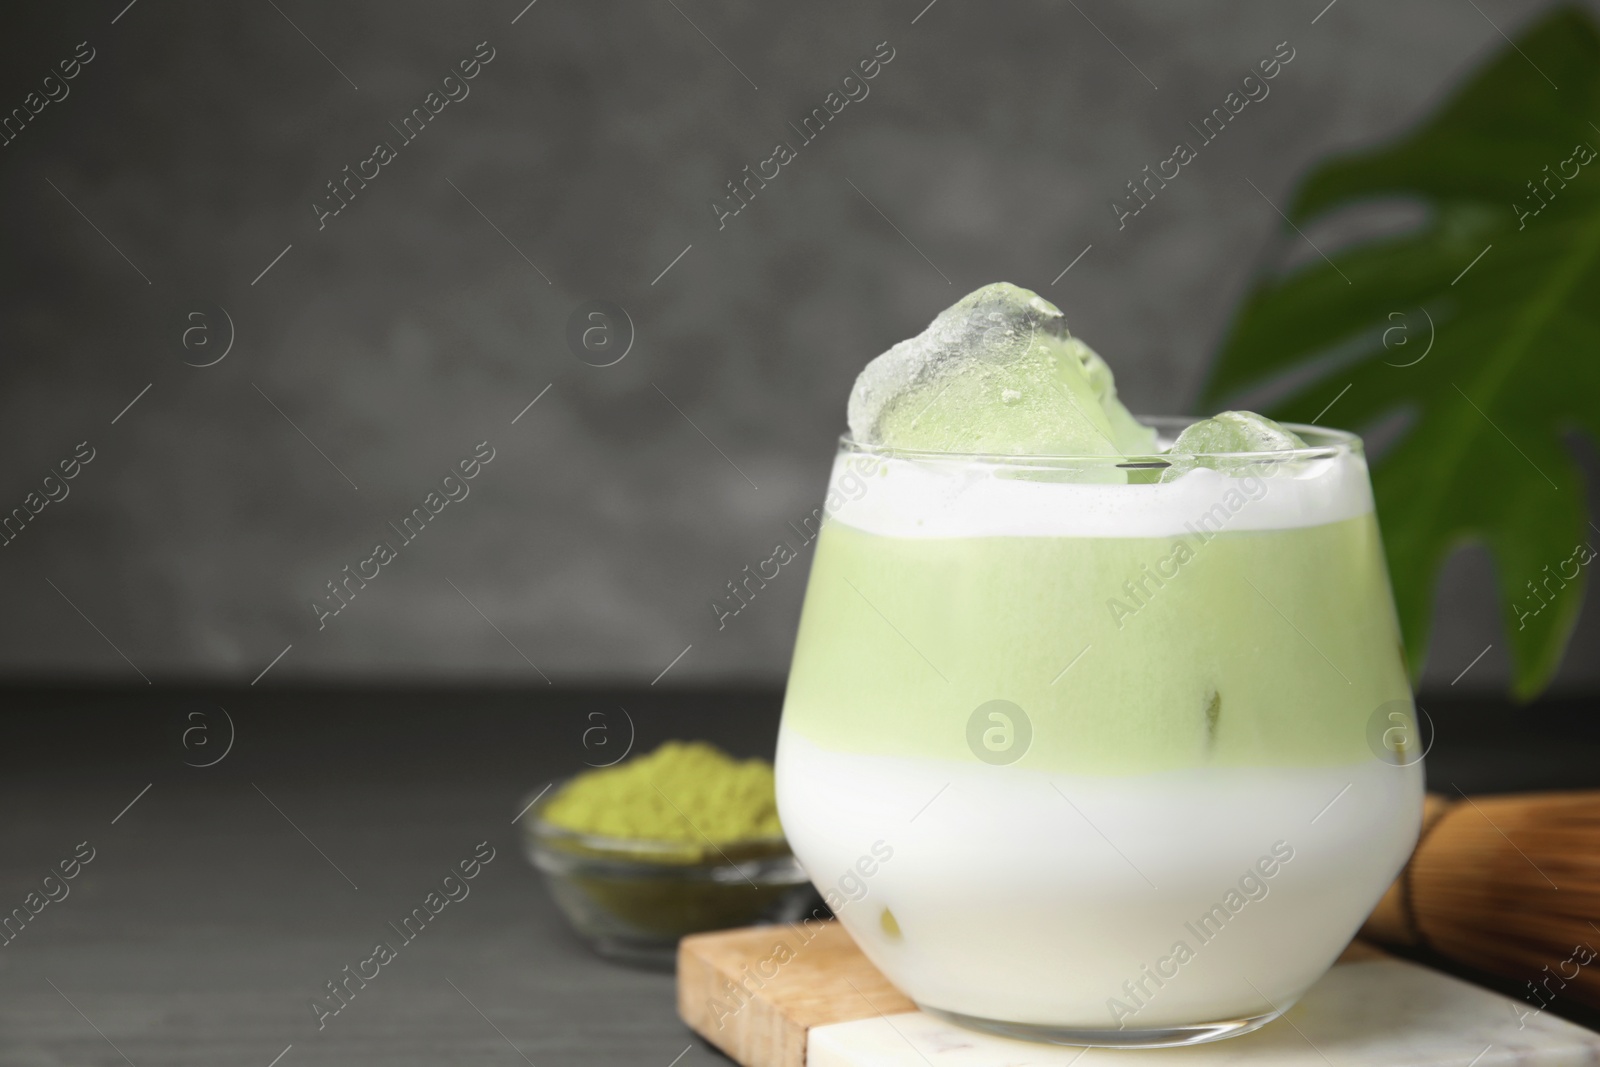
<point x="1235" y="431"/>
<point x="996" y="372"/>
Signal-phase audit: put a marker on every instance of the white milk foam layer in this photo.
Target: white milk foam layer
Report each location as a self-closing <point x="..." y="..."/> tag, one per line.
<point x="1062" y="900"/>
<point x="897" y="496"/>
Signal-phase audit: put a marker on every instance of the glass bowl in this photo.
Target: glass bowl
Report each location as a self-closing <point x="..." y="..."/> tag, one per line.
<point x="632" y="900"/>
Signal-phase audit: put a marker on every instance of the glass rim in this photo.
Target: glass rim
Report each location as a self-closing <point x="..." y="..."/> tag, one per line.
<point x="1330" y="443"/>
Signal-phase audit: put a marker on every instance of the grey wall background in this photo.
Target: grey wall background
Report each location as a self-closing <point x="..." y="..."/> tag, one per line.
<point x="191" y="149"/>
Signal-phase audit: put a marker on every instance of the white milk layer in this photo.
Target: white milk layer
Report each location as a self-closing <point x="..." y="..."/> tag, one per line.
<point x="1140" y="902"/>
<point x="898" y="496"/>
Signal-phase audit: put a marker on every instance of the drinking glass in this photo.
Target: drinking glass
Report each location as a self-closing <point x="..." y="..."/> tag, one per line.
<point x="1101" y="750"/>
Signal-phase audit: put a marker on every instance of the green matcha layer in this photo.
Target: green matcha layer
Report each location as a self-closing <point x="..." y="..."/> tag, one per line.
<point x="1249" y="648"/>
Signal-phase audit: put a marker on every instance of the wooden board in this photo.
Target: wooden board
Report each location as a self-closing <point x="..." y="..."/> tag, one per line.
<point x="778" y="996"/>
<point x="761" y="1019"/>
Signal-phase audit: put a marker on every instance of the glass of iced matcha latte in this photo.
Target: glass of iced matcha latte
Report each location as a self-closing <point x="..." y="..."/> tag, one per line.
<point x="1102" y="723"/>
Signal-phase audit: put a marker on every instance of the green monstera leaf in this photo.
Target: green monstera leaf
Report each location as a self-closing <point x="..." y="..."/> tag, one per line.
<point x="1478" y="331"/>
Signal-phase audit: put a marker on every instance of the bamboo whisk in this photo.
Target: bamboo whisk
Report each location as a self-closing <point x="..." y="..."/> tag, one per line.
<point x="1509" y="885"/>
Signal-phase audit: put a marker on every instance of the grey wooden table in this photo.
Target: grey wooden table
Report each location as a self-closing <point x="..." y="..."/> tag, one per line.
<point x="221" y="900"/>
<point x="219" y="905"/>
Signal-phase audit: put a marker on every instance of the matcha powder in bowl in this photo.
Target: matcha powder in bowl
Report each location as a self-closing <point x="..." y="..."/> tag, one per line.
<point x="685" y="792"/>
<point x="681" y="840"/>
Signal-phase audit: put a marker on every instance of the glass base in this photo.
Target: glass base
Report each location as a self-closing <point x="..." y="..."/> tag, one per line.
<point x="1153" y="1037"/>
